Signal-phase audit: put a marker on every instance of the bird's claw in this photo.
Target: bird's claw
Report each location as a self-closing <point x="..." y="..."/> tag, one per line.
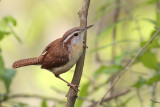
<point x="74" y="87"/>
<point x="84" y="44"/>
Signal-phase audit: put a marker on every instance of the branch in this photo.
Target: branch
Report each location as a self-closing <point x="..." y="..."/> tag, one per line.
<point x="129" y="65"/>
<point x="72" y="95"/>
<point x="137" y="91"/>
<point x="139" y="97"/>
<point x="114" y="33"/>
<point x="34" y="96"/>
<point x="121" y="93"/>
<point x="115" y="96"/>
<point x="154" y="101"/>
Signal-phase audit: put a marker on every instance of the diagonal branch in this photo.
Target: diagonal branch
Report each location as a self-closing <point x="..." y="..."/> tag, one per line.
<point x="114" y="96"/>
<point x="72" y="95"/>
<point x="129" y="65"/>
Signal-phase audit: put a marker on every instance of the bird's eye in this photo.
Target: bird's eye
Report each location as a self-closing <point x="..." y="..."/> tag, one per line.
<point x="75" y="34"/>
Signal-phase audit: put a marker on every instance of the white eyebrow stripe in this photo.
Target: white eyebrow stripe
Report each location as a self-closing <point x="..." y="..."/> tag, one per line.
<point x="68" y="37"/>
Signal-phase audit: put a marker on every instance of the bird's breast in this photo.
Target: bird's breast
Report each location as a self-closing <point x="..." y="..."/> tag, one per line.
<point x="75" y="51"/>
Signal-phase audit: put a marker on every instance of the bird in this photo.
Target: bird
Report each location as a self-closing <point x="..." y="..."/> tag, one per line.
<point x="60" y="55"/>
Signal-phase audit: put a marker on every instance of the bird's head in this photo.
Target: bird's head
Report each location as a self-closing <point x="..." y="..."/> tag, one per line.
<point x="75" y="35"/>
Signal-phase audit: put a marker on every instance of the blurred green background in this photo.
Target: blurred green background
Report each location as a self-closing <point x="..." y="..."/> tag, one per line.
<point x="121" y="28"/>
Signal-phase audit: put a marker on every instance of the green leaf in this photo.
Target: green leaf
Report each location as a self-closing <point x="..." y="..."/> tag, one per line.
<point x="1" y="64"/>
<point x="158" y="16"/>
<point x="82" y="93"/>
<point x="2" y="96"/>
<point x="10" y="19"/>
<point x="6" y="28"/>
<point x="7" y="77"/>
<point x="109" y="70"/>
<point x="153" y="79"/>
<point x="3" y="34"/>
<point x="154" y="44"/>
<point x="2" y="68"/>
<point x="152" y="1"/>
<point x="141" y="81"/>
<point x="149" y="60"/>
<point x="152" y="104"/>
<point x="44" y="103"/>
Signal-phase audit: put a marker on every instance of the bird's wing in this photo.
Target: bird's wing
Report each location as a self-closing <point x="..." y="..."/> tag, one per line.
<point x="55" y="55"/>
<point x="46" y="49"/>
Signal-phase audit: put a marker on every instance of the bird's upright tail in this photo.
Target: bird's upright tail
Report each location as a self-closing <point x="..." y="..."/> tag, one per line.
<point x="26" y="62"/>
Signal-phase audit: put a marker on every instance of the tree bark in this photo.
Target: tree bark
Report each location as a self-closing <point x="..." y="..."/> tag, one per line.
<point x="72" y="95"/>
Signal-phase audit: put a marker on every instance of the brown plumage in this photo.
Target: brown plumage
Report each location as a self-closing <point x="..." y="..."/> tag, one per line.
<point x="60" y="55"/>
<point x="54" y="55"/>
<point x="26" y="62"/>
<point x="57" y="58"/>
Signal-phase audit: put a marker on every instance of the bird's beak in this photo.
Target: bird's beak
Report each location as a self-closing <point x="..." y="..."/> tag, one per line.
<point x="87" y="27"/>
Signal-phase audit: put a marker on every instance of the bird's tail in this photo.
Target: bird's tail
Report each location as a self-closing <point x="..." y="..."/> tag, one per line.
<point x="26" y="62"/>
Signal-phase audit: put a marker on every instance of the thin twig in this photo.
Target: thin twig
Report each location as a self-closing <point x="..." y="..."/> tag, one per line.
<point x="115" y="19"/>
<point x="0" y="103"/>
<point x="121" y="93"/>
<point x="72" y="95"/>
<point x="139" y="97"/>
<point x="137" y="91"/>
<point x="114" y="35"/>
<point x="155" y="101"/>
<point x="14" y="33"/>
<point x="158" y="12"/>
<point x="97" y="57"/>
<point x="34" y="96"/>
<point x="115" y="96"/>
<point x="151" y="87"/>
<point x="129" y="65"/>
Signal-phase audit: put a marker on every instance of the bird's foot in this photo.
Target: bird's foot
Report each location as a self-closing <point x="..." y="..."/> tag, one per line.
<point x="84" y="44"/>
<point x="73" y="86"/>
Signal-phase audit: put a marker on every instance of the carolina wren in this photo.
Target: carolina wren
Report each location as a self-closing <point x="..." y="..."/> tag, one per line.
<point x="60" y="55"/>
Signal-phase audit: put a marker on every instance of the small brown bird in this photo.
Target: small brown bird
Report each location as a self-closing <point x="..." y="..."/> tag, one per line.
<point x="60" y="55"/>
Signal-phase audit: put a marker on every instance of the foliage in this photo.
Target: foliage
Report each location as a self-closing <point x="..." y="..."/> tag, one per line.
<point x="44" y="103"/>
<point x="131" y="34"/>
<point x="7" y="74"/>
<point x="149" y="58"/>
<point x="6" y="27"/>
